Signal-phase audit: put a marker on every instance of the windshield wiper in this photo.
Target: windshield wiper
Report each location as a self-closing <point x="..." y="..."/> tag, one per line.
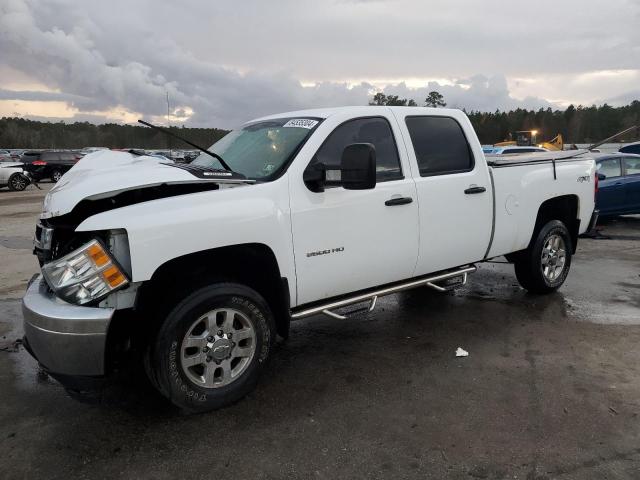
<point x="204" y="150"/>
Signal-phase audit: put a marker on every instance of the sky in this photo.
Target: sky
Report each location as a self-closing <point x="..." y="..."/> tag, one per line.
<point x="223" y="62"/>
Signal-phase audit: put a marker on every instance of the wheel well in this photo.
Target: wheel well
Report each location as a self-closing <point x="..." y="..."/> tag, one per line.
<point x="253" y="265"/>
<point x="563" y="208"/>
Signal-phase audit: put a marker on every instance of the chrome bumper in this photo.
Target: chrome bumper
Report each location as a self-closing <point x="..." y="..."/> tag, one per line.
<point x="66" y="339"/>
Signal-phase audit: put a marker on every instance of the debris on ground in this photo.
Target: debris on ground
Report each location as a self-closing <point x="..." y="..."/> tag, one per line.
<point x="595" y="234"/>
<point x="460" y="352"/>
<point x="10" y="346"/>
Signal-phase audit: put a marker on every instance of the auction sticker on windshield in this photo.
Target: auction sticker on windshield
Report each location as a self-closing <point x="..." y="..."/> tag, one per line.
<point x="301" y="123"/>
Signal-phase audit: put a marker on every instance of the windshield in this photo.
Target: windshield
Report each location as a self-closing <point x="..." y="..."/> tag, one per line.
<point x="260" y="150"/>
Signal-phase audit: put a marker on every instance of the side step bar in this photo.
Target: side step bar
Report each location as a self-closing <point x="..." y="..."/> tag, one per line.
<point x="372" y="297"/>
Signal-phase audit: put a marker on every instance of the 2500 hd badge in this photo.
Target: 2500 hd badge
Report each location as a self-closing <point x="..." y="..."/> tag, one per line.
<point x="325" y="252"/>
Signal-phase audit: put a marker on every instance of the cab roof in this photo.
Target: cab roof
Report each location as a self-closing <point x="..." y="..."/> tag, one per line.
<point x="361" y="110"/>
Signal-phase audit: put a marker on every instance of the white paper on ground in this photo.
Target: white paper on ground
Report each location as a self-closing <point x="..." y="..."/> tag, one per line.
<point x="461" y="353"/>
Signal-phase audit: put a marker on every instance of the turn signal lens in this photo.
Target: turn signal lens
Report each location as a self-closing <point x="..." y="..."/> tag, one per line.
<point x="98" y="255"/>
<point x="113" y="277"/>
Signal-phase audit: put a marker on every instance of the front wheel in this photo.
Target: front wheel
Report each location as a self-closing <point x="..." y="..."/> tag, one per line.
<point x="56" y="175"/>
<point x="544" y="266"/>
<point x="212" y="347"/>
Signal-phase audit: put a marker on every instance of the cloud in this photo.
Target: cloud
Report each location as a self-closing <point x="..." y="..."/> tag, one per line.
<point x="478" y="92"/>
<point x="41" y="96"/>
<point x="223" y="64"/>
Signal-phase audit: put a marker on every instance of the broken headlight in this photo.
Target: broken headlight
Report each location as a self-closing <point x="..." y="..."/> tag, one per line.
<point x="84" y="275"/>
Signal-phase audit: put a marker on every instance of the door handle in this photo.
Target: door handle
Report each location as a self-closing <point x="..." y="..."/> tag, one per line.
<point x="472" y="190"/>
<point x="398" y="201"/>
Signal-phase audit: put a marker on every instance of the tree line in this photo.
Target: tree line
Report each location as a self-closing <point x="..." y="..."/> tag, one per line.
<point x="22" y="133"/>
<point x="576" y="124"/>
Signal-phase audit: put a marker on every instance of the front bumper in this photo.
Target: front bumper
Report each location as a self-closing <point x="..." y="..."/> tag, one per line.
<point x="66" y="339"/>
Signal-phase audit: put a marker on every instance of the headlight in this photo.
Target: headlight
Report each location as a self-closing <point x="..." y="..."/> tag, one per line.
<point x="85" y="275"/>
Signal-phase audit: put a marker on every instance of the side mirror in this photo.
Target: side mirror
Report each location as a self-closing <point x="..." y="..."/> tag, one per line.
<point x="358" y="166"/>
<point x="601" y="176"/>
<point x="357" y="170"/>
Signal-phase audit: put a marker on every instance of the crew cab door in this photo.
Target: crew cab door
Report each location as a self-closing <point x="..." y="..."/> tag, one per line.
<point x="454" y="190"/>
<point x="349" y="240"/>
<point x="611" y="190"/>
<point x="632" y="182"/>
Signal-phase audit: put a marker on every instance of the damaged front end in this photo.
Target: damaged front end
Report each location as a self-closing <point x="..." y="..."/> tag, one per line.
<point x="56" y="236"/>
<point x="77" y="313"/>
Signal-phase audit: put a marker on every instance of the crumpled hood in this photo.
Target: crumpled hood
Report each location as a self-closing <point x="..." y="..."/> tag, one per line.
<point x="106" y="173"/>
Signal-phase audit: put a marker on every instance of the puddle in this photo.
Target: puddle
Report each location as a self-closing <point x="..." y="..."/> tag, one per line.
<point x="17" y="242"/>
<point x="26" y="372"/>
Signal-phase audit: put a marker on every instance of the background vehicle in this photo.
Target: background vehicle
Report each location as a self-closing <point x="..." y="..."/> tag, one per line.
<point x="487" y="149"/>
<point x="631" y="148"/>
<point x="49" y="164"/>
<point x="515" y="149"/>
<point x="16" y="154"/>
<point x="618" y="184"/>
<point x="12" y="175"/>
<point x="199" y="266"/>
<point x="190" y="155"/>
<point x="88" y="150"/>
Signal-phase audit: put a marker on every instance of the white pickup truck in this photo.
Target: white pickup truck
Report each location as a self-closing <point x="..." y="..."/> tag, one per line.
<point x="199" y="266"/>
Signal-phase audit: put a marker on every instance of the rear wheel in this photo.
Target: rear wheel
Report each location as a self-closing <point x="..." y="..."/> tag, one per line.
<point x="56" y="175"/>
<point x="18" y="182"/>
<point x="544" y="266"/>
<point x="212" y="347"/>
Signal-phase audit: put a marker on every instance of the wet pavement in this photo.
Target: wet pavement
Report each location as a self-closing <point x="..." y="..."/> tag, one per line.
<point x="551" y="387"/>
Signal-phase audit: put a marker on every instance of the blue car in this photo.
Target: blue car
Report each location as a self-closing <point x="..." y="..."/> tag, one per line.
<point x="631" y="148"/>
<point x="618" y="184"/>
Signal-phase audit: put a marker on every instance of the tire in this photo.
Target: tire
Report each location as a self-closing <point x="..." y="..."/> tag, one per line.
<point x="544" y="266"/>
<point x="18" y="182"/>
<point x="56" y="175"/>
<point x="212" y="347"/>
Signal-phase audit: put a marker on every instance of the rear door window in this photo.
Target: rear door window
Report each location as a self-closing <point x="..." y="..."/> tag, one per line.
<point x="610" y="167"/>
<point x="29" y="157"/>
<point x="440" y="145"/>
<point x="632" y="165"/>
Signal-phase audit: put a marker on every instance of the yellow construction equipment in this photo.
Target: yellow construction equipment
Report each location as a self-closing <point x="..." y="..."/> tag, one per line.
<point x="528" y="138"/>
<point x="556" y="143"/>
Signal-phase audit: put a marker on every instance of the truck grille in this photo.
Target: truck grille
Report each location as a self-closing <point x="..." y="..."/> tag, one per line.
<point x="42" y="242"/>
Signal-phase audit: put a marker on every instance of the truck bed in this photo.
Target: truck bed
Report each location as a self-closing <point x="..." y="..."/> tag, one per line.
<point x="510" y="160"/>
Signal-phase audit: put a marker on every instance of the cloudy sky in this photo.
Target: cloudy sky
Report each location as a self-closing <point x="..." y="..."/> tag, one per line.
<point x="224" y="62"/>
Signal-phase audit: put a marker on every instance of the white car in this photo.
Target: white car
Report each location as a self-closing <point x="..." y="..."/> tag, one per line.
<point x="511" y="150"/>
<point x="12" y="175"/>
<point x="201" y="265"/>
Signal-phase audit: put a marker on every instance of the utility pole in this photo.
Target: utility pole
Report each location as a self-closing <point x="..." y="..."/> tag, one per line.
<point x="169" y="126"/>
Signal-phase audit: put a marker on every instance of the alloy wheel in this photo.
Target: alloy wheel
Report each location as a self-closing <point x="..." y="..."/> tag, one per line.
<point x="218" y="347"/>
<point x="553" y="257"/>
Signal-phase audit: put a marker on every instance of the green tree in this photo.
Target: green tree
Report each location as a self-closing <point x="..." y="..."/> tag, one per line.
<point x="379" y="99"/>
<point x="392" y="101"/>
<point x="23" y="133"/>
<point x="435" y="99"/>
